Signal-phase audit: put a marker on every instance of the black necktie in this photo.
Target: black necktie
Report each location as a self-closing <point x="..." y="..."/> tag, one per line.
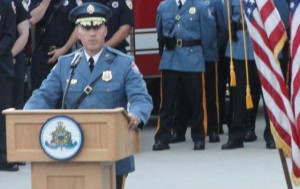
<point x="91" y="64"/>
<point x="179" y="4"/>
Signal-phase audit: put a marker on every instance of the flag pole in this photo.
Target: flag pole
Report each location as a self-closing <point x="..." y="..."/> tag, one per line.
<point x="285" y="169"/>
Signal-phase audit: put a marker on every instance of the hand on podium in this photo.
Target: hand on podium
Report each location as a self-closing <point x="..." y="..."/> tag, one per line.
<point x="134" y="122"/>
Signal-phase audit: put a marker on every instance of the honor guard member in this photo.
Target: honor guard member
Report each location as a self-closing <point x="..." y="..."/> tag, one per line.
<point x="243" y="118"/>
<point x="283" y="9"/>
<point x="220" y="13"/>
<point x="22" y="18"/>
<point x="112" y="76"/>
<point x="121" y="22"/>
<point x="184" y="31"/>
<point x="53" y="35"/>
<point x="182" y="111"/>
<point x="7" y="39"/>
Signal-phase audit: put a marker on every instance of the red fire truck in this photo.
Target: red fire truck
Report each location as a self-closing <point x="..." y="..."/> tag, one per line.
<point x="145" y="48"/>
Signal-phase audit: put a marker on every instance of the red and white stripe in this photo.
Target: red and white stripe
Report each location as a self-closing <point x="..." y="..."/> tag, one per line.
<point x="295" y="73"/>
<point x="267" y="42"/>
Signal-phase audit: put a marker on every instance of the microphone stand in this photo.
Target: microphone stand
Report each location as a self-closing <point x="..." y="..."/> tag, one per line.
<point x="73" y="66"/>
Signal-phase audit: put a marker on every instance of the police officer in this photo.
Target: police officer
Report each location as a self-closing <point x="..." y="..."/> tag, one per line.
<point x="241" y="116"/>
<point x="22" y="17"/>
<point x="54" y="35"/>
<point x="223" y="64"/>
<point x="182" y="111"/>
<point x="121" y="22"/>
<point x="118" y="80"/>
<point x="185" y="30"/>
<point x="7" y="39"/>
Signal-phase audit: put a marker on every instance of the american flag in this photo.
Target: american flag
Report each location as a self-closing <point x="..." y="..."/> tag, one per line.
<point x="267" y="35"/>
<point x="295" y="63"/>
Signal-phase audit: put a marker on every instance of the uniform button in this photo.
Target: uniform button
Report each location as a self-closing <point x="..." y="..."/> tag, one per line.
<point x="191" y="19"/>
<point x="192" y="50"/>
<point x="178" y="25"/>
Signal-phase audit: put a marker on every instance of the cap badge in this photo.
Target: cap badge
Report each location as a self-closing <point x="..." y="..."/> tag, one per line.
<point x="192" y="10"/>
<point x="90" y="9"/>
<point x="107" y="75"/>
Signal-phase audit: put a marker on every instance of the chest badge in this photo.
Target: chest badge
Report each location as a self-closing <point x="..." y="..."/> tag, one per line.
<point x="192" y="10"/>
<point x="107" y="75"/>
<point x="66" y="2"/>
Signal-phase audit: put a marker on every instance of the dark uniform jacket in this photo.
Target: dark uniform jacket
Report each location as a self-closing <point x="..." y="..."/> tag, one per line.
<point x="7" y="37"/>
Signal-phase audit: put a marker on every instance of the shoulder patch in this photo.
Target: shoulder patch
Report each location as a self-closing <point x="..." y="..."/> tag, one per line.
<point x="13" y="6"/>
<point x="129" y="4"/>
<point x="115" y="4"/>
<point x="78" y="2"/>
<point x="26" y="4"/>
<point x="134" y="68"/>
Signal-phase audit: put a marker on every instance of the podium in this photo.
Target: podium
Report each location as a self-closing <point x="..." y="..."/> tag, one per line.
<point x="106" y="140"/>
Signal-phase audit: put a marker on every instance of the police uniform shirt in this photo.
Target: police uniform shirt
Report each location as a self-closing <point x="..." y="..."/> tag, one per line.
<point x="122" y="14"/>
<point x="60" y="28"/>
<point x="21" y="13"/>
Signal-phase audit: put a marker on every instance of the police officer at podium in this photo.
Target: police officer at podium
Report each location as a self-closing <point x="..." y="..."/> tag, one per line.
<point x="112" y="76"/>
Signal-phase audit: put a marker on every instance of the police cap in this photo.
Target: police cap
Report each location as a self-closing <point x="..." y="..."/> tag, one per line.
<point x="90" y="14"/>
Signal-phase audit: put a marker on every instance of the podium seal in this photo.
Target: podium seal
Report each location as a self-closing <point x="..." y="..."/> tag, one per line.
<point x="61" y="137"/>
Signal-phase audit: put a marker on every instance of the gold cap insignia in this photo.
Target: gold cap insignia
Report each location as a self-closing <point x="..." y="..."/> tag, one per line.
<point x="107" y="75"/>
<point x="90" y="9"/>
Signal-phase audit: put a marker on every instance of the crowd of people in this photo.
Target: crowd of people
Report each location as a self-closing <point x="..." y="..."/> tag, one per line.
<point x="204" y="47"/>
<point x="54" y="31"/>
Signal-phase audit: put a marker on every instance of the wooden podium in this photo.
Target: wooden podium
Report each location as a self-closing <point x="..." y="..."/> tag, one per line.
<point x="106" y="140"/>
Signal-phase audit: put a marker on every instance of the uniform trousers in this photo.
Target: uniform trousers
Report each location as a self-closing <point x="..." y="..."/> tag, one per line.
<point x="6" y="93"/>
<point x="120" y="180"/>
<point x="211" y="97"/>
<point x="238" y="98"/>
<point x="182" y="111"/>
<point x="191" y="84"/>
<point x="19" y="86"/>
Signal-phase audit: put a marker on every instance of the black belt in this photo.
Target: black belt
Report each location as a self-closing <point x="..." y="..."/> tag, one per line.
<point x="48" y="48"/>
<point x="172" y="43"/>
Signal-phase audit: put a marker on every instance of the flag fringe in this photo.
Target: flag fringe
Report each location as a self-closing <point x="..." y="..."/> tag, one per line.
<point x="280" y="143"/>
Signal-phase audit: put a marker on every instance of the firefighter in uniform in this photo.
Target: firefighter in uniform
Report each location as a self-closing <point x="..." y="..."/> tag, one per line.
<point x="120" y="24"/>
<point x="120" y="81"/>
<point x="7" y="39"/>
<point x="185" y="30"/>
<point x="54" y="35"/>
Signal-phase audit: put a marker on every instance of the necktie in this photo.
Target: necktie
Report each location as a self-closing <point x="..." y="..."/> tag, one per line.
<point x="91" y="64"/>
<point x="179" y="4"/>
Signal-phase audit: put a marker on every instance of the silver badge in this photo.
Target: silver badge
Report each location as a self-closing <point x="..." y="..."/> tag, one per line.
<point x="192" y="10"/>
<point x="115" y="4"/>
<point x="66" y="2"/>
<point x="107" y="75"/>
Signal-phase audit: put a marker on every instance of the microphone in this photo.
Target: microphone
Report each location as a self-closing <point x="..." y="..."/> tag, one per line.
<point x="76" y="60"/>
<point x="74" y="63"/>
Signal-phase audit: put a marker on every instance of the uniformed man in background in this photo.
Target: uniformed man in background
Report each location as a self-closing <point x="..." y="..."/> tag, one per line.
<point x="22" y="18"/>
<point x="185" y="30"/>
<point x="54" y="35"/>
<point x="7" y="39"/>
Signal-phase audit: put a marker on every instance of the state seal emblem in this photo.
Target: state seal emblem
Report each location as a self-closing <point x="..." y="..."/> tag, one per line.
<point x="61" y="137"/>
